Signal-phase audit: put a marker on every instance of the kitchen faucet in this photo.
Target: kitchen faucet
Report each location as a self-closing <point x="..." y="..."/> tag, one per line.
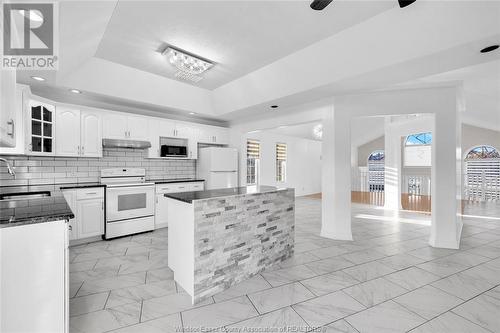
<point x="10" y="168"/>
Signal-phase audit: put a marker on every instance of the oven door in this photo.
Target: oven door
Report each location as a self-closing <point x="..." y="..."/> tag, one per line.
<point x="129" y="202"/>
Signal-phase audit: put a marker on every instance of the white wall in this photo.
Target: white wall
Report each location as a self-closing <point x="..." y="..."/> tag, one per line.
<point x="303" y="160"/>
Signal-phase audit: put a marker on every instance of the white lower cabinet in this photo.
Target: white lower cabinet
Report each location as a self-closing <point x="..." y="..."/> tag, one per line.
<point x="161" y="210"/>
<point x="34" y="278"/>
<point x="88" y="206"/>
<point x="90" y="215"/>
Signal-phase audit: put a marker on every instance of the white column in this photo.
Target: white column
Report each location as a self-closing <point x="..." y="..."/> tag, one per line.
<point x="336" y="176"/>
<point x="446" y="179"/>
<point x="392" y="182"/>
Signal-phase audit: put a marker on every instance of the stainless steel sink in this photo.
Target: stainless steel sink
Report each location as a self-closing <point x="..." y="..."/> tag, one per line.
<point x="24" y="195"/>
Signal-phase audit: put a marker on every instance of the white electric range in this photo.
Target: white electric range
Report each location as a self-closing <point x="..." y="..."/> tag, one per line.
<point x="130" y="202"/>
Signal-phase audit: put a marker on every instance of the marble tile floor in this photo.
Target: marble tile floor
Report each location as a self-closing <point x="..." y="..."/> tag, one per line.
<point x="387" y="280"/>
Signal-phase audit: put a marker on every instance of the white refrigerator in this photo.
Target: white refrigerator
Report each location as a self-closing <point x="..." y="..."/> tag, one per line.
<point x="218" y="167"/>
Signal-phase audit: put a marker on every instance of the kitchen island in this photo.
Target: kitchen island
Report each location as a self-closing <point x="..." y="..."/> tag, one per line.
<point x="218" y="238"/>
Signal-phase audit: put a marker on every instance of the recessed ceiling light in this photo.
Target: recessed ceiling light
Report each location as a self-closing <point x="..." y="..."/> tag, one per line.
<point x="256" y="131"/>
<point x="279" y="127"/>
<point x="490" y="48"/>
<point x="274" y="106"/>
<point x="192" y="113"/>
<point x="38" y="78"/>
<point x="75" y="91"/>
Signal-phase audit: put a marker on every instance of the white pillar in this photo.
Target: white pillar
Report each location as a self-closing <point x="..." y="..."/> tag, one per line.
<point x="336" y="176"/>
<point x="392" y="176"/>
<point x="446" y="179"/>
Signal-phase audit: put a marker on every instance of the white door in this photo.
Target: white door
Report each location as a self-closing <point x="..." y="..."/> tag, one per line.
<point x="33" y="275"/>
<point x="70" y="196"/>
<point x="8" y="108"/>
<point x="91" y="139"/>
<point x="183" y="130"/>
<point x="221" y="135"/>
<point x="129" y="202"/>
<point x="161" y="210"/>
<point x="90" y="216"/>
<point x="206" y="134"/>
<point x="114" y="126"/>
<point x="137" y="128"/>
<point x="166" y="128"/>
<point x="67" y="132"/>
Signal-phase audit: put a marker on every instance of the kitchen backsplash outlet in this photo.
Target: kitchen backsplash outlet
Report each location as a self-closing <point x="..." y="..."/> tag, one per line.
<point x="41" y="170"/>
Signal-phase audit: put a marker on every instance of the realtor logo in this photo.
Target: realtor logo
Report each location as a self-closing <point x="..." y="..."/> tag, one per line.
<point x="29" y="36"/>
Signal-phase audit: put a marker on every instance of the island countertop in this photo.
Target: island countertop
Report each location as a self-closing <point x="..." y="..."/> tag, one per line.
<point x="189" y="197"/>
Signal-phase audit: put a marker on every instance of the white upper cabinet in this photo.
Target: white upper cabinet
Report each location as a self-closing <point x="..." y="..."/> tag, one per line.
<point x="120" y="126"/>
<point x="14" y="129"/>
<point x="40" y="128"/>
<point x="8" y="108"/>
<point x="213" y="135"/>
<point x="114" y="126"/>
<point x="90" y="134"/>
<point x="78" y="133"/>
<point x="137" y="128"/>
<point x="67" y="134"/>
<point x="184" y="131"/>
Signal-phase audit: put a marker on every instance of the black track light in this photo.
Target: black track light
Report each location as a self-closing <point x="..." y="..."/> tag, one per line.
<point x="490" y="48"/>
<point x="404" y="3"/>
<point x="320" y="4"/>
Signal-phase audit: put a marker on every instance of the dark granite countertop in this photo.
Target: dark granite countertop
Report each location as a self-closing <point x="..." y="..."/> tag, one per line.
<point x="35" y="210"/>
<point x="79" y="185"/>
<point x="15" y="212"/>
<point x="52" y="187"/>
<point x="178" y="180"/>
<point x="189" y="197"/>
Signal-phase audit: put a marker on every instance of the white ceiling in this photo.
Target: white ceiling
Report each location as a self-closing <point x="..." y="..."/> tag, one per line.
<point x="239" y="36"/>
<point x="305" y="130"/>
<point x="270" y="52"/>
<point x="481" y="87"/>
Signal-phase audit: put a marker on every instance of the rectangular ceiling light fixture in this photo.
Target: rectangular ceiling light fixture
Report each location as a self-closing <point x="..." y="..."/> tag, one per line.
<point x="190" y="66"/>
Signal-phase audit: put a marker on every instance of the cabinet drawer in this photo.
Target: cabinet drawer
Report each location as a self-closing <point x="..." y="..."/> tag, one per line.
<point x="90" y="193"/>
<point x="179" y="187"/>
<point x="198" y="186"/>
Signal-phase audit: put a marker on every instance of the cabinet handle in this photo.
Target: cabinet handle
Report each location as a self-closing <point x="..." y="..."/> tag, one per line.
<point x="79" y="153"/>
<point x="30" y="147"/>
<point x="70" y="227"/>
<point x="91" y="193"/>
<point x="11" y="123"/>
<point x="83" y="150"/>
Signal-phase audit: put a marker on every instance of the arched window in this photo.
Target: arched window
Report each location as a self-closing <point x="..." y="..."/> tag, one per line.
<point x="376" y="171"/>
<point x="419" y="139"/>
<point x="482" y="178"/>
<point x="482" y="152"/>
<point x="377" y="155"/>
<point x="417" y="150"/>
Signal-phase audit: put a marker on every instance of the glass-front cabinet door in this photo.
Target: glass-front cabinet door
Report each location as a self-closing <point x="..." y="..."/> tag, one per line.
<point x="41" y="125"/>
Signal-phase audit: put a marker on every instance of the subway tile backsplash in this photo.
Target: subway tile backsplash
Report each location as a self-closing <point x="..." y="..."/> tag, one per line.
<point x="41" y="170"/>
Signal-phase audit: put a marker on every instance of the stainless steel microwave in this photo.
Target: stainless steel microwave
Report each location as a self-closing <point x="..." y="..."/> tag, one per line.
<point x="173" y="151"/>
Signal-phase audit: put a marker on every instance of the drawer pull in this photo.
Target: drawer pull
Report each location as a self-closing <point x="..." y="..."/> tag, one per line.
<point x="91" y="193"/>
